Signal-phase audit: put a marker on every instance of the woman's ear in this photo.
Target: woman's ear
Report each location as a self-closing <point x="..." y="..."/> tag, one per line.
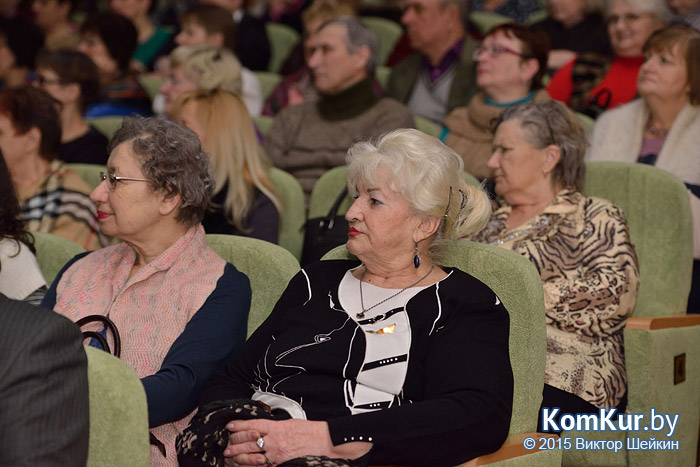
<point x="168" y="204"/>
<point x="32" y="140"/>
<point x="552" y="155"/>
<point x="528" y="69"/>
<point x="426" y="228"/>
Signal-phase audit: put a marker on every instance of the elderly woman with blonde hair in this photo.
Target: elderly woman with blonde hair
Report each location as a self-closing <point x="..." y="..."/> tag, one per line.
<point x="356" y="348"/>
<point x="204" y="67"/>
<point x="580" y="246"/>
<point x="245" y="201"/>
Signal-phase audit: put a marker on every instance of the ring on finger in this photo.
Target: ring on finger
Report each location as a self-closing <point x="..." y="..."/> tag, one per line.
<point x="260" y="442"/>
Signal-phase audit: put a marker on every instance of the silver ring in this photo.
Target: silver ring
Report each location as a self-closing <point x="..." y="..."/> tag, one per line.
<point x="268" y="461"/>
<point x="260" y="442"/>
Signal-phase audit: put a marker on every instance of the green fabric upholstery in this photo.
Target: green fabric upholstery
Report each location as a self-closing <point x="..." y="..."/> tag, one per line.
<point x="484" y="21"/>
<point x="381" y="74"/>
<point x="151" y="84"/>
<point x="331" y="183"/>
<point x="388" y="33"/>
<point x="118" y="414"/>
<point x="263" y="123"/>
<point x="657" y="209"/>
<point x="586" y="121"/>
<point x="90" y="173"/>
<point x="269" y="268"/>
<point x="53" y="252"/>
<point x="282" y="40"/>
<point x="292" y="222"/>
<point x="428" y="127"/>
<point x="106" y="125"/>
<point x="268" y="81"/>
<point x="516" y="282"/>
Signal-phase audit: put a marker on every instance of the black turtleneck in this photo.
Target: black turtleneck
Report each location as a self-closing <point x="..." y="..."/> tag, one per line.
<point x="348" y="103"/>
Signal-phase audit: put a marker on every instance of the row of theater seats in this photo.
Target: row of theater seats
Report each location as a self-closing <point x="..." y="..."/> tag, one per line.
<point x="656" y="206"/>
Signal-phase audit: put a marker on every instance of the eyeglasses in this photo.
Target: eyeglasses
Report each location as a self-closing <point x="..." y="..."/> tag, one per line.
<point x="627" y="18"/>
<point x="113" y="179"/>
<point x="43" y="81"/>
<point x="494" y="51"/>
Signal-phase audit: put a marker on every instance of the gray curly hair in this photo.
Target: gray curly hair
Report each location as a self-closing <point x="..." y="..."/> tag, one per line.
<point x="172" y="159"/>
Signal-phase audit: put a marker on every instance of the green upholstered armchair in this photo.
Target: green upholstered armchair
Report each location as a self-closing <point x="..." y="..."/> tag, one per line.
<point x="331" y="183"/>
<point x="90" y="173"/>
<point x="292" y="220"/>
<point x="282" y="40"/>
<point x="53" y="252"/>
<point x="657" y="209"/>
<point x="516" y="282"/>
<point x="269" y="268"/>
<point x="388" y="33"/>
<point x="118" y="413"/>
<point x="106" y="125"/>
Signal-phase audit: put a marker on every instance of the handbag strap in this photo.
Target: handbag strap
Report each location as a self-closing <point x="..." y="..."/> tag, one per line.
<point x="328" y="221"/>
<point x="109" y="324"/>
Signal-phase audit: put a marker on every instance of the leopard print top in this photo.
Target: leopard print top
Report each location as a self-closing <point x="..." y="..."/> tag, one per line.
<point x="582" y="250"/>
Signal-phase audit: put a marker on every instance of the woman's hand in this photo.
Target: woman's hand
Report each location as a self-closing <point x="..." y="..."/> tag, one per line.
<point x="284" y="440"/>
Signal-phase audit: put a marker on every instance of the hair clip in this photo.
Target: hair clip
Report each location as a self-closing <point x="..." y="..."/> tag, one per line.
<point x="449" y="200"/>
<point x="464" y="200"/>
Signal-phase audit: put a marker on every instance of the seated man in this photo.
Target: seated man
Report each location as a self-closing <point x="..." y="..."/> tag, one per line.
<point x="310" y="138"/>
<point x="440" y="77"/>
<point x="43" y="388"/>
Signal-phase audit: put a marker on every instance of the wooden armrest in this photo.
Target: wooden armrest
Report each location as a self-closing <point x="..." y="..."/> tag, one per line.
<point x="663" y="322"/>
<point x="513" y="447"/>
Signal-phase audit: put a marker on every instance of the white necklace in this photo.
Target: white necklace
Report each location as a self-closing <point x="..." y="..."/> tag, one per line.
<point x="361" y="315"/>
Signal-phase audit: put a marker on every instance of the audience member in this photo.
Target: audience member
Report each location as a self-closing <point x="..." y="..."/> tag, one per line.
<point x="411" y="316"/>
<point x="181" y="310"/>
<point x="686" y="11"/>
<point x="20" y="42"/>
<point x="252" y="43"/>
<point x="298" y="86"/>
<point x="580" y="246"/>
<point x="72" y="79"/>
<point x="54" y="198"/>
<point x="20" y="276"/>
<point x="244" y="200"/>
<point x="152" y="40"/>
<point x="310" y="138"/>
<point x="663" y="127"/>
<point x="574" y="27"/>
<point x="592" y="83"/>
<point x="511" y="62"/>
<point x="440" y="77"/>
<point x="44" y="405"/>
<point x="54" y="18"/>
<point x="109" y="40"/>
<point x="518" y="10"/>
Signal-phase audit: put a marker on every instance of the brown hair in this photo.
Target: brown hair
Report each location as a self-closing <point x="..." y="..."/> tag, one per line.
<point x="535" y="44"/>
<point x="72" y="66"/>
<point x="688" y="41"/>
<point x="325" y="10"/>
<point x="214" y="19"/>
<point x="30" y="107"/>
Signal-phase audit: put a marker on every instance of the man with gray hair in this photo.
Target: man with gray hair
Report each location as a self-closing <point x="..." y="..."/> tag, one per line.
<point x="441" y="76"/>
<point x="310" y="138"/>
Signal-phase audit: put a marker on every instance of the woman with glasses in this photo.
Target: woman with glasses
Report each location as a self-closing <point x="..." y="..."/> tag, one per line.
<point x="53" y="198"/>
<point x="181" y="310"/>
<point x="511" y="62"/>
<point x="593" y="83"/>
<point x="662" y="128"/>
<point x="579" y="245"/>
<point x="71" y="78"/>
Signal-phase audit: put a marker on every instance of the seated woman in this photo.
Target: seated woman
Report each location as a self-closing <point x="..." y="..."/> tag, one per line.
<point x="180" y="308"/>
<point x="109" y="40"/>
<point x="573" y="27"/>
<point x="593" y="83"/>
<point x="54" y="18"/>
<point x="53" y="197"/>
<point x="71" y="78"/>
<point x="579" y="245"/>
<point x="20" y="42"/>
<point x="244" y="201"/>
<point x="511" y="62"/>
<point x="356" y="349"/>
<point x="662" y="128"/>
<point x="20" y="276"/>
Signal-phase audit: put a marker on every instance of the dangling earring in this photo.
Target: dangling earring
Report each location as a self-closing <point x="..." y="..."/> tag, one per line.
<point x="416" y="257"/>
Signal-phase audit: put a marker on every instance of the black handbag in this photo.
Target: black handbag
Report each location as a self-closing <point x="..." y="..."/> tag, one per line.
<point x="325" y="233"/>
<point x="109" y="325"/>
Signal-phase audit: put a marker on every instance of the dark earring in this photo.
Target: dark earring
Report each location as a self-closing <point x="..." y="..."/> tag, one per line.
<point x="416" y="257"/>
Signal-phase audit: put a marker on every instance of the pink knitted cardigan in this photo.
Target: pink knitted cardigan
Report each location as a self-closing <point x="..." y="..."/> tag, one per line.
<point x="150" y="309"/>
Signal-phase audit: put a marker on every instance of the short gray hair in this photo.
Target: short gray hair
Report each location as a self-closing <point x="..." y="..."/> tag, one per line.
<point x="357" y="35"/>
<point x="550" y="122"/>
<point x="657" y="8"/>
<point x="172" y="159"/>
<point x="463" y="6"/>
<point x="429" y="175"/>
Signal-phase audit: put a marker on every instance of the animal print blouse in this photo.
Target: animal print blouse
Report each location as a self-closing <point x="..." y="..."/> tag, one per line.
<point x="582" y="250"/>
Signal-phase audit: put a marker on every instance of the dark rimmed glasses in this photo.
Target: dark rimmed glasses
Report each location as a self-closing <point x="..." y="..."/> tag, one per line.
<point x="494" y="51"/>
<point x="113" y="179"/>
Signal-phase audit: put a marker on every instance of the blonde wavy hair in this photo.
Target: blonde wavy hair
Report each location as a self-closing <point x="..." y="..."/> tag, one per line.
<point x="211" y="67"/>
<point x="236" y="156"/>
<point x="429" y="175"/>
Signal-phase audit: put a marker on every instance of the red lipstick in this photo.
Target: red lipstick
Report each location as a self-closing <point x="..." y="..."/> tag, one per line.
<point x="102" y="215"/>
<point x="353" y="232"/>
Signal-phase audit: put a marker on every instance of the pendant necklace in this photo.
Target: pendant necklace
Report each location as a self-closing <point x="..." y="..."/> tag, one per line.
<point x="361" y="315"/>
